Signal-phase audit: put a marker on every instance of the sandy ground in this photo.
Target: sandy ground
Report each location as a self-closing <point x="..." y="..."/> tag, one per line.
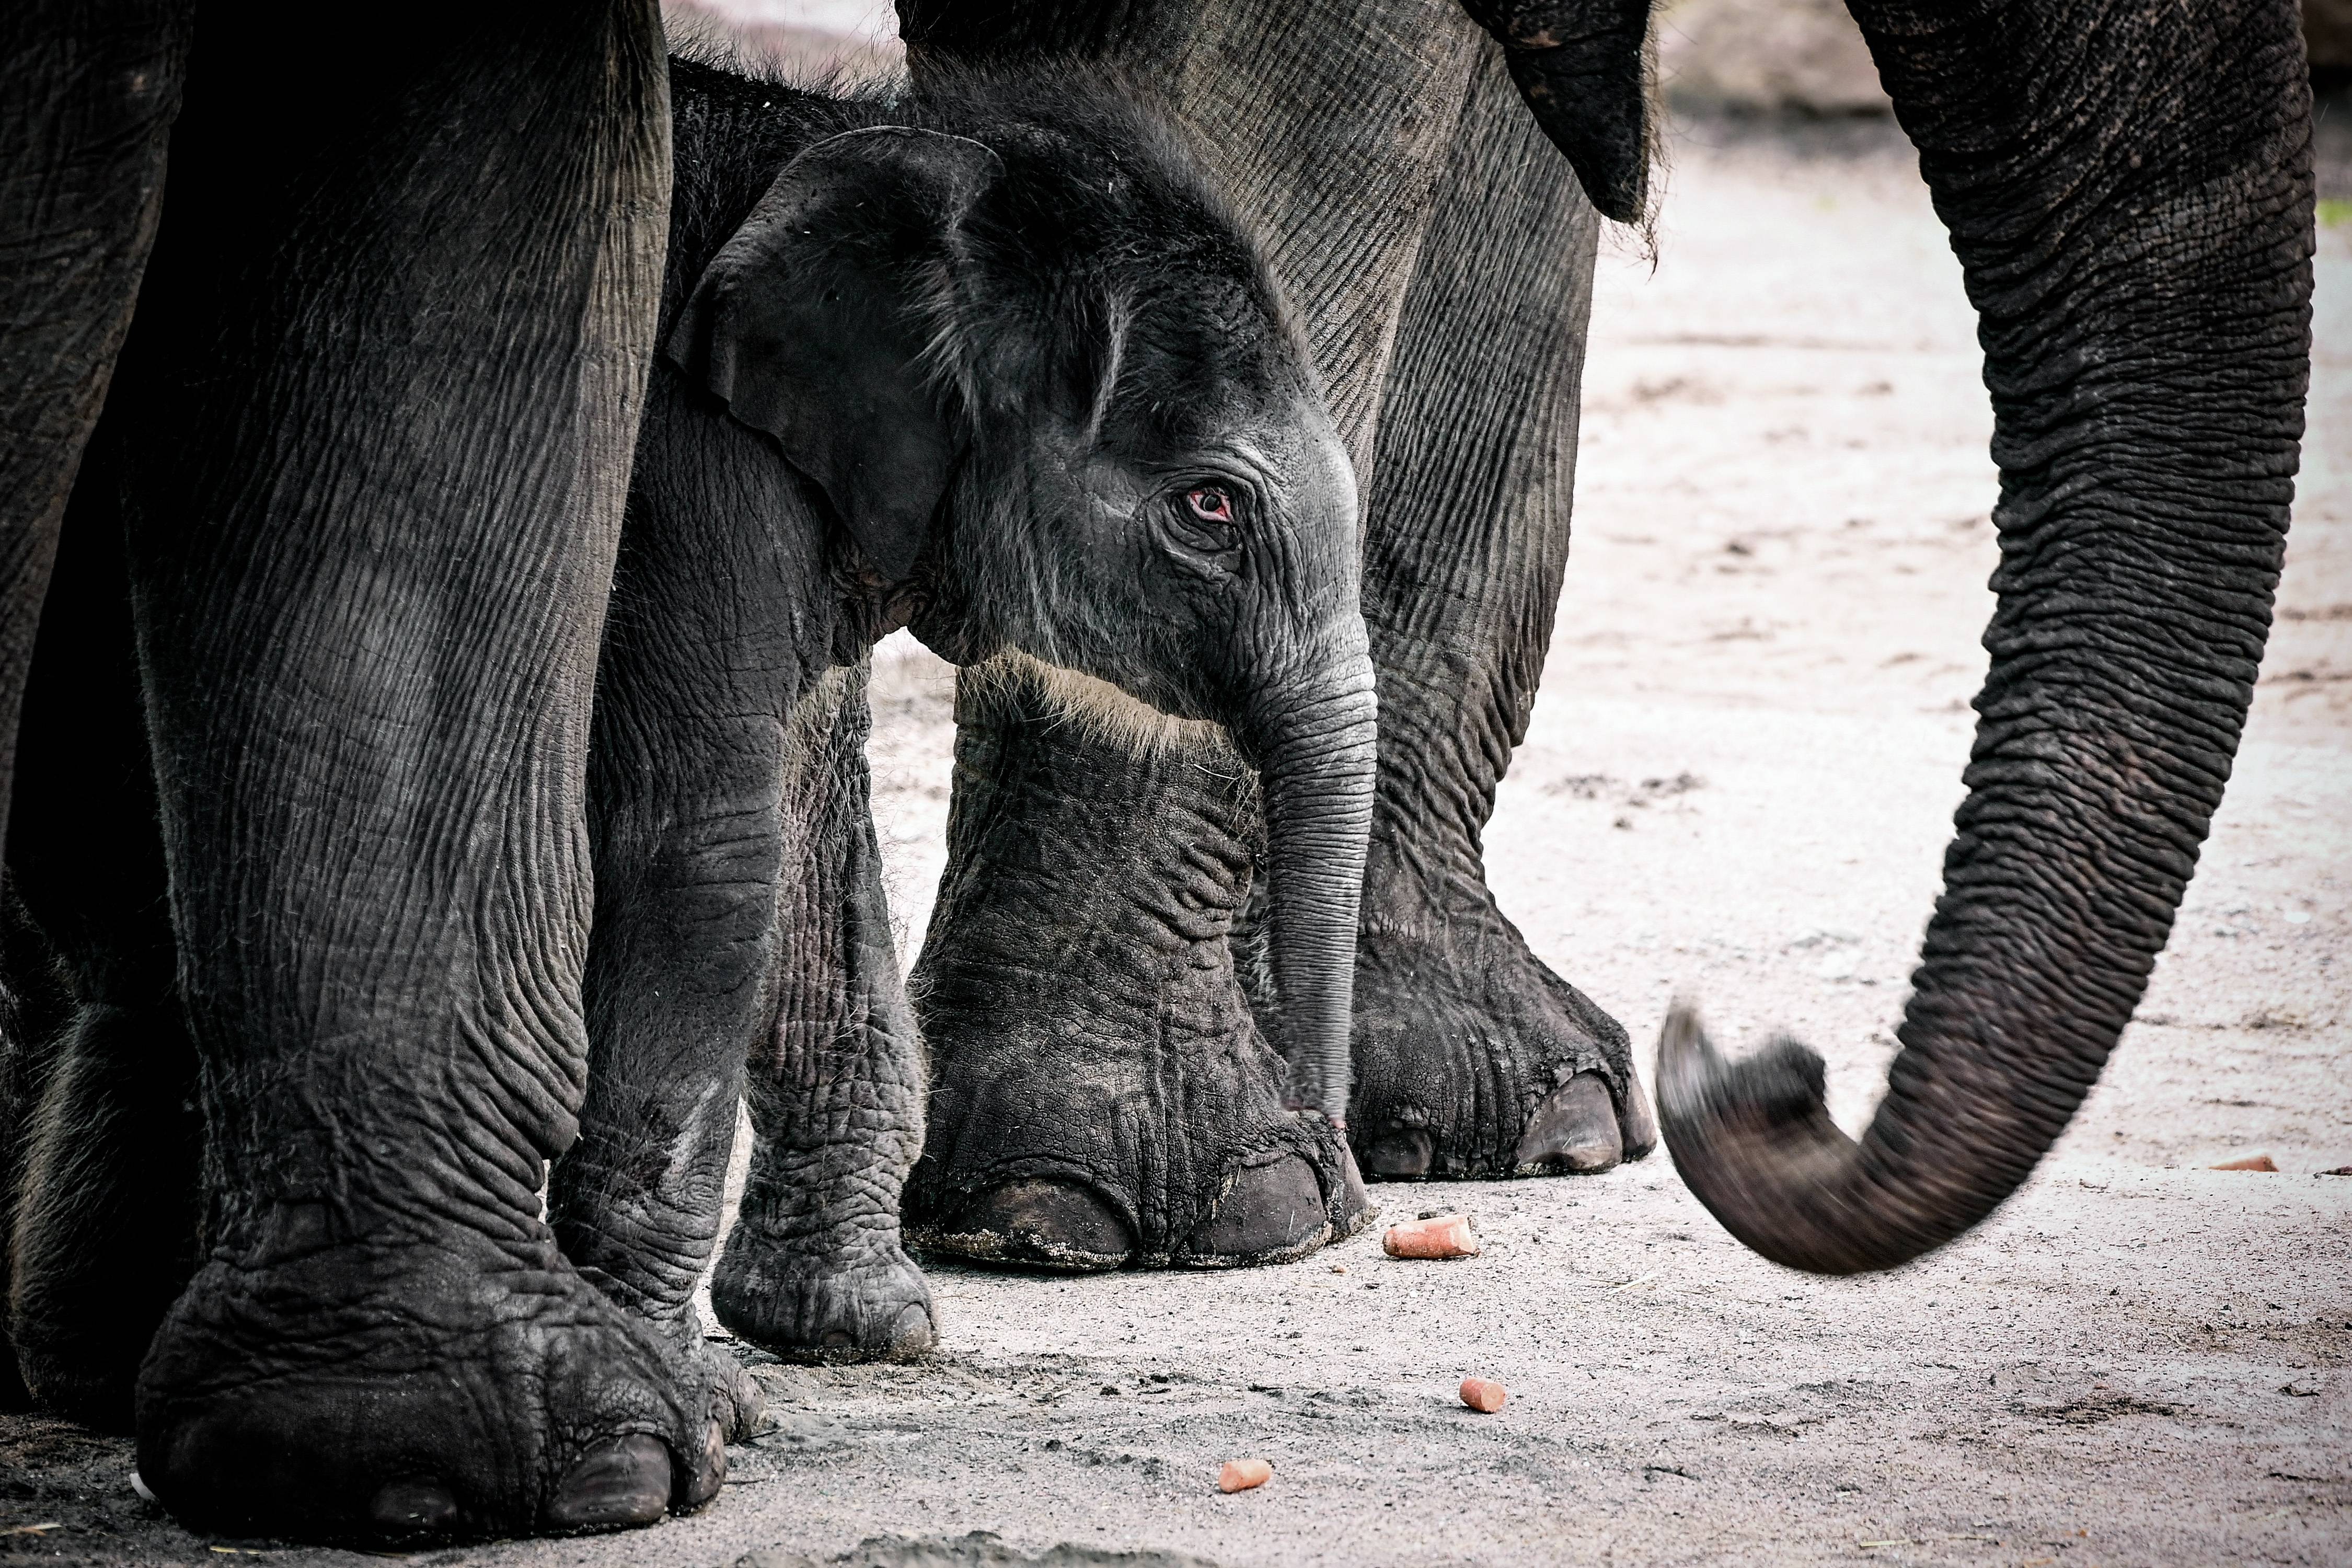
<point x="1739" y="784"/>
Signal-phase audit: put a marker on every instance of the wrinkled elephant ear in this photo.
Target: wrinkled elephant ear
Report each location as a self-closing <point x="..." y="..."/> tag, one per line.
<point x="813" y="322"/>
<point x="1583" y="67"/>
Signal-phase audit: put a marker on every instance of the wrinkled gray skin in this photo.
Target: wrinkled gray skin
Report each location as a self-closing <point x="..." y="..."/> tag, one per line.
<point x="1109" y="344"/>
<point x="974" y="373"/>
<point x="360" y="470"/>
<point x="1125" y="1110"/>
<point x="2142" y="275"/>
<point x="2130" y="194"/>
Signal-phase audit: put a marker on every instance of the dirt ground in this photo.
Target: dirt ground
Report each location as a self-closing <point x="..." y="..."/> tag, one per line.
<point x="1738" y="785"/>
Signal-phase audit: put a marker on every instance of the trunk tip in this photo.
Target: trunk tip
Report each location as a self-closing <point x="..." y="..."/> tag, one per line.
<point x="1699" y="1088"/>
<point x="1753" y="1141"/>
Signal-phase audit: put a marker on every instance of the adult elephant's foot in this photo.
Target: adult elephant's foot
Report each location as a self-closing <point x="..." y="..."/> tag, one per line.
<point x="342" y="1392"/>
<point x="1101" y="1095"/>
<point x="1474" y="1059"/>
<point x="824" y="1299"/>
<point x="735" y="1399"/>
<point x="1080" y="1161"/>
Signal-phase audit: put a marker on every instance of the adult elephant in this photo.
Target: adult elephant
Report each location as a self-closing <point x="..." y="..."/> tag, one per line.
<point x="996" y="365"/>
<point x="1117" y="1106"/>
<point x="362" y="466"/>
<point x="2130" y="196"/>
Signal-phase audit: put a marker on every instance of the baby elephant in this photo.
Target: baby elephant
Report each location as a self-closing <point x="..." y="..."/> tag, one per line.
<point x="998" y="367"/>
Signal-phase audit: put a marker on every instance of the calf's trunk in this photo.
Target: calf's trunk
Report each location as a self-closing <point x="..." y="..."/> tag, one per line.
<point x="1315" y="746"/>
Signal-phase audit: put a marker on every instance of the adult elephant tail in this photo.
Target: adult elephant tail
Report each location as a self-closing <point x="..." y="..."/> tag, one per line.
<point x="2128" y="190"/>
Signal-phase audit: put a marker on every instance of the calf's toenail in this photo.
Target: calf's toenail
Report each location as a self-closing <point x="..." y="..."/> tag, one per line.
<point x="413" y="1506"/>
<point x="624" y="1482"/>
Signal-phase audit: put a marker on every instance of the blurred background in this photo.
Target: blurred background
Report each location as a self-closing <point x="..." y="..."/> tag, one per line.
<point x="1756" y="56"/>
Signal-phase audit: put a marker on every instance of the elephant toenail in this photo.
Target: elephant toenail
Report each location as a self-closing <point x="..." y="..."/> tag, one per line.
<point x="838" y="1339"/>
<point x="1050" y="1223"/>
<point x="702" y="1487"/>
<point x="911" y="1331"/>
<point x="1399" y="1154"/>
<point x="624" y="1482"/>
<point x="1641" y="1121"/>
<point x="414" y="1505"/>
<point x="1357" y="1209"/>
<point x="1270" y="1211"/>
<point x="1575" y="1128"/>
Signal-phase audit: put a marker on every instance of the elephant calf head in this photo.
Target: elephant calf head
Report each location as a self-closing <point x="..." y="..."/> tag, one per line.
<point x="1053" y="398"/>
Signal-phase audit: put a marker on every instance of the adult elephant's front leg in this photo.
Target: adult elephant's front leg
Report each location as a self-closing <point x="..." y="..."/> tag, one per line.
<point x="1102" y="1095"/>
<point x="392" y="368"/>
<point x="1471" y="1057"/>
<point x="813" y="1268"/>
<point x="1441" y="254"/>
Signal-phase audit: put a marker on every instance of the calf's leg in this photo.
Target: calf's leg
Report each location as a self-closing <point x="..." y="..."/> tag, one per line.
<point x="814" y="1268"/>
<point x="88" y="92"/>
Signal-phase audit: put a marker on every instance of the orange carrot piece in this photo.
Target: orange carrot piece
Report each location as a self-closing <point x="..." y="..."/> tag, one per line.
<point x="1483" y="1395"/>
<point x="1241" y="1475"/>
<point x="1447" y="1235"/>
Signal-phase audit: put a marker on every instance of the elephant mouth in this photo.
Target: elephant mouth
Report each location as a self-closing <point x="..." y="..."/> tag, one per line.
<point x="1097" y="708"/>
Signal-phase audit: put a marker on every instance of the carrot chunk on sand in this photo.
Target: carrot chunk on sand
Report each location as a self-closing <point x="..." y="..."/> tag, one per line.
<point x="1483" y="1395"/>
<point x="1447" y="1235"/>
<point x="2251" y="1162"/>
<point x="1239" y="1475"/>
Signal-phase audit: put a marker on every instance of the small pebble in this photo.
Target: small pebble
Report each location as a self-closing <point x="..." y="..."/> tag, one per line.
<point x="1241" y="1475"/>
<point x="2251" y="1162"/>
<point x="1338" y="1268"/>
<point x="1445" y="1236"/>
<point x="1483" y="1395"/>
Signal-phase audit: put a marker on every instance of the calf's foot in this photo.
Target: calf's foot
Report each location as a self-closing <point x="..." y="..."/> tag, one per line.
<point x="337" y="1391"/>
<point x="824" y="1302"/>
<point x="736" y="1400"/>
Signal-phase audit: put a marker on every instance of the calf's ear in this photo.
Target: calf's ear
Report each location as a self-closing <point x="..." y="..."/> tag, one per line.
<point x="1583" y="67"/>
<point x="811" y="322"/>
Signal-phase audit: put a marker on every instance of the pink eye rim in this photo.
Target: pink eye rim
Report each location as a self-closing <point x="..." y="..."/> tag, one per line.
<point x="1212" y="503"/>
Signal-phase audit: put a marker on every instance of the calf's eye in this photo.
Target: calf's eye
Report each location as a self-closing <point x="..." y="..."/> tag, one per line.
<point x="1211" y="505"/>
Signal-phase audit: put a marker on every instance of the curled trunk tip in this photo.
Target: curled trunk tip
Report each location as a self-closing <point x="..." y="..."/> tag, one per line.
<point x="1753" y="1141"/>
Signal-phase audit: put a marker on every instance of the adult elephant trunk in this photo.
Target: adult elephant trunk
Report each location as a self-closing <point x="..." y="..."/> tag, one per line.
<point x="1314" y="742"/>
<point x="2128" y="190"/>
